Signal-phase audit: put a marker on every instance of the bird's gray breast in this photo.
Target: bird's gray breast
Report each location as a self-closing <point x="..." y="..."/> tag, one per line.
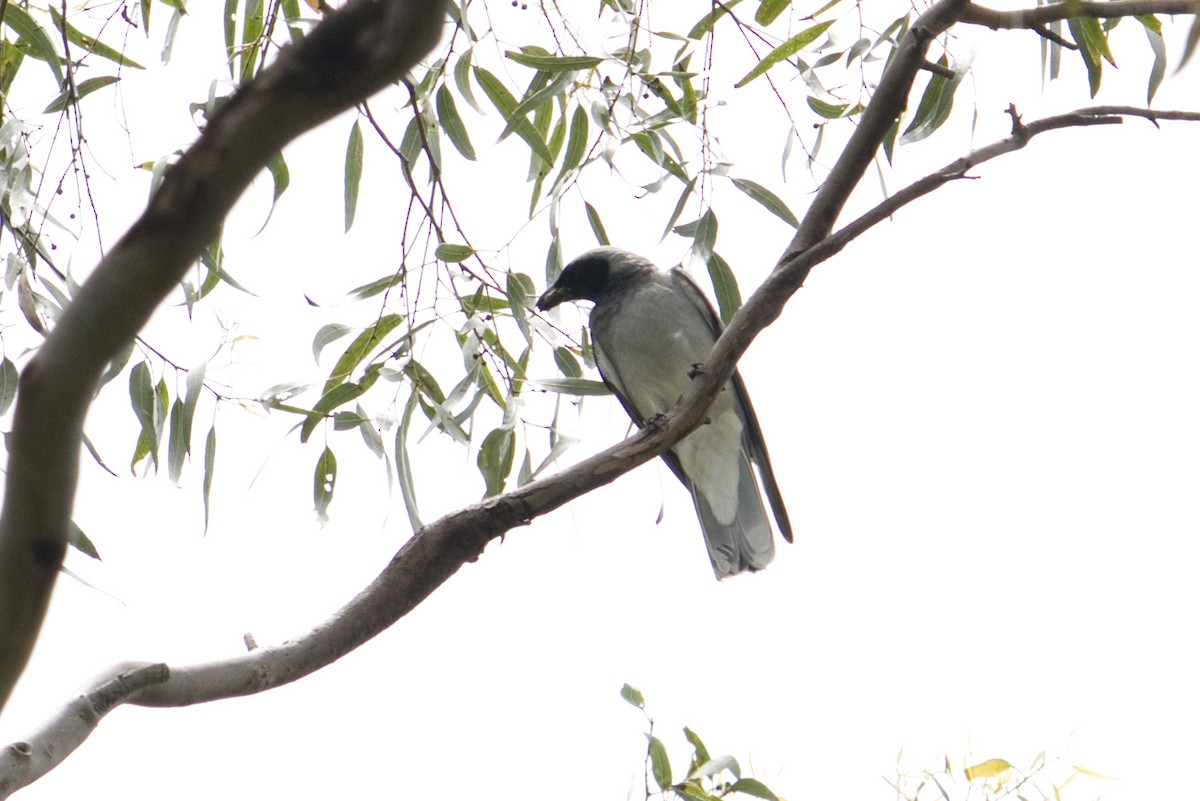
<point x="647" y="344"/>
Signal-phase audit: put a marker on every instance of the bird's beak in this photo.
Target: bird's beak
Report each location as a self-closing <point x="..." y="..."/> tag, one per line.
<point x="551" y="298"/>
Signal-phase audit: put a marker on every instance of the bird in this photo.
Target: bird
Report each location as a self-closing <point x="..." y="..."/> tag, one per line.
<point x="650" y="329"/>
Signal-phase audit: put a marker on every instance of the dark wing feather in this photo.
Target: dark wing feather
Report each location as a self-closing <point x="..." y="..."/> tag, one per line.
<point x="755" y="443"/>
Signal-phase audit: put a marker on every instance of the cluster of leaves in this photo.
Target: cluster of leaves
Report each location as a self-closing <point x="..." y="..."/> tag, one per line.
<point x="604" y="93"/>
<point x="708" y="778"/>
<point x="991" y="779"/>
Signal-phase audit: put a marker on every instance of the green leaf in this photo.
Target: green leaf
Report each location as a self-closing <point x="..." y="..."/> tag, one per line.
<point x="1093" y="45"/>
<point x="142" y="397"/>
<point x="176" y="443"/>
<point x="80" y="541"/>
<point x="767" y="199"/>
<point x="568" y="365"/>
<point x="705" y="23"/>
<point x="785" y="51"/>
<point x="495" y="459"/>
<point x="547" y="63"/>
<point x="229" y="18"/>
<point x="252" y="30"/>
<point x="280" y="179"/>
<point x="753" y="787"/>
<point x="462" y="80"/>
<point x="1153" y="30"/>
<point x="593" y="217"/>
<point x="712" y="767"/>
<point x="936" y="103"/>
<point x="452" y="123"/>
<point x="93" y="46"/>
<point x="404" y="465"/>
<point x="769" y="11"/>
<point x="633" y="696"/>
<point x="82" y="90"/>
<point x="354" y="165"/>
<point x="359" y="349"/>
<point x="539" y="100"/>
<point x="660" y="765"/>
<point x="42" y="48"/>
<point x="505" y="103"/>
<point x="520" y="291"/>
<point x="725" y="287"/>
<point x="8" y="384"/>
<point x="700" y="753"/>
<point x="324" y="480"/>
<point x="705" y="236"/>
<point x="572" y="386"/>
<point x="452" y="253"/>
<point x="335" y="397"/>
<point x="210" y="459"/>
<point x="326" y="335"/>
<point x="576" y="143"/>
<point x="833" y="111"/>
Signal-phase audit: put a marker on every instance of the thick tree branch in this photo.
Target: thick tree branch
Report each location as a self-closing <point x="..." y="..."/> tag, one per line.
<point x="354" y="53"/>
<point x="1036" y="17"/>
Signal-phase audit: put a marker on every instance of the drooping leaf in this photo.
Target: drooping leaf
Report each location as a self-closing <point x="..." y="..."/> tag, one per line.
<point x="935" y="106"/>
<point x="505" y="103"/>
<point x="210" y="460"/>
<point x="1093" y="45"/>
<point x="8" y="384"/>
<point x="495" y="459"/>
<point x="660" y="764"/>
<point x="725" y="287"/>
<point x="324" y="480"/>
<point x="704" y="237"/>
<point x="452" y="123"/>
<point x="404" y="465"/>
<point x="1153" y="30"/>
<point x="354" y="166"/>
<point x="176" y="443"/>
<point x="41" y="47"/>
<point x="576" y="143"/>
<point x="768" y="199"/>
<point x="462" y="80"/>
<point x="252" y="31"/>
<point x="142" y="397"/>
<point x="597" y="225"/>
<point x="785" y="51"/>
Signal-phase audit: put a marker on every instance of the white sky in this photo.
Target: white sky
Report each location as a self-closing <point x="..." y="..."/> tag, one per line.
<point x="983" y="415"/>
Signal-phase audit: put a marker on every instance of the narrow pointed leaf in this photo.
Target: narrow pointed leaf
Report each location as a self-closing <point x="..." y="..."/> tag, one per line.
<point x="597" y="225"/>
<point x="92" y="46"/>
<point x="8" y="384"/>
<point x="495" y="460"/>
<point x="548" y="63"/>
<point x="210" y="460"/>
<point x="753" y="787"/>
<point x="324" y="480"/>
<point x="768" y="199"/>
<point x="660" y="764"/>
<point x="35" y="36"/>
<point x="176" y="442"/>
<point x="785" y="51"/>
<point x="354" y="165"/>
<point x="452" y="124"/>
<point x="725" y="287"/>
<point x="404" y="465"/>
<point x="769" y="11"/>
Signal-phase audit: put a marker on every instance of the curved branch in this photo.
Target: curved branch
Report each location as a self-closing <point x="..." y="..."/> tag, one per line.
<point x="1036" y="17"/>
<point x="357" y="51"/>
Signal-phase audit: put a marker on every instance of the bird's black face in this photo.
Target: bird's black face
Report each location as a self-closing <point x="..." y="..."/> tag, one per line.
<point x="586" y="278"/>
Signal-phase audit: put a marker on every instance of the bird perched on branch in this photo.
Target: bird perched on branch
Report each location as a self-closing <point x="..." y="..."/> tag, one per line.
<point x="650" y="329"/>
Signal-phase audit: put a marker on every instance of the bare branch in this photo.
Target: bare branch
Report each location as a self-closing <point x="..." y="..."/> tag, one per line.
<point x="1034" y="18"/>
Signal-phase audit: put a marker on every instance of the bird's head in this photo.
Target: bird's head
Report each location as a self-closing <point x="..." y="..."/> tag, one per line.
<point x="593" y="275"/>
